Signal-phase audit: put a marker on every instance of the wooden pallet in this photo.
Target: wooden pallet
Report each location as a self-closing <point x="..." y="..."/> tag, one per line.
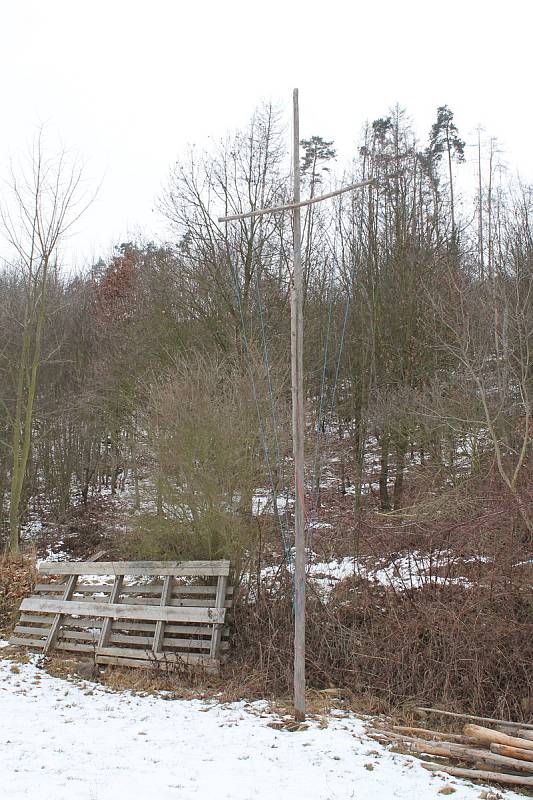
<point x="155" y="614"/>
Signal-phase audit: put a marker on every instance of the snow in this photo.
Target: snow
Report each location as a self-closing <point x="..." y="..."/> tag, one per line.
<point x="262" y="502"/>
<point x="409" y="570"/>
<point x="62" y="740"/>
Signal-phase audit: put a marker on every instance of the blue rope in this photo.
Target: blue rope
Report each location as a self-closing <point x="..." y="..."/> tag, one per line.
<point x="266" y="361"/>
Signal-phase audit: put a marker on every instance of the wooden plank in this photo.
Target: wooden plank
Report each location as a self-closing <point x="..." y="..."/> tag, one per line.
<point x="113" y="599"/>
<point x="43" y="623"/>
<point x="75" y="647"/>
<point x="21" y="640"/>
<point x="180" y="644"/>
<point x="125" y="657"/>
<point x="170" y="629"/>
<point x="54" y="627"/>
<point x="42" y="620"/>
<point x="188" y="602"/>
<point x="84" y="636"/>
<point x="148" y="655"/>
<point x="220" y="601"/>
<point x="84" y="622"/>
<point x="149" y="588"/>
<point x="117" y="611"/>
<point x="160" y="625"/>
<point x="22" y="630"/>
<point x="208" y="666"/>
<point x="136" y="568"/>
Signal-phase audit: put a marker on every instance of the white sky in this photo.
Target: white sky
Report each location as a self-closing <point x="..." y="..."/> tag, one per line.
<point x="128" y="84"/>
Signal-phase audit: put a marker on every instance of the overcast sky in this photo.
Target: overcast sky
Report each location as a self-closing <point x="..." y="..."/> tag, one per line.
<point x="129" y="84"/>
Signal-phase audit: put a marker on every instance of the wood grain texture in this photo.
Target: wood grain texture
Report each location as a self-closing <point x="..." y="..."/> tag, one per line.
<point x="166" y="593"/>
<point x="479" y="774"/>
<point x="161" y="622"/>
<point x="113" y="600"/>
<point x="54" y="627"/>
<point x="136" y="568"/>
<point x="123" y="611"/>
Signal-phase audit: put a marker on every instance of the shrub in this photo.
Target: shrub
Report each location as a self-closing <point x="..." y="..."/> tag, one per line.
<point x="469" y="649"/>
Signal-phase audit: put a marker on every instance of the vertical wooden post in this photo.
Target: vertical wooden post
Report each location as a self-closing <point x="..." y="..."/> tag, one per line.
<point x="298" y="422"/>
<point x="298" y="431"/>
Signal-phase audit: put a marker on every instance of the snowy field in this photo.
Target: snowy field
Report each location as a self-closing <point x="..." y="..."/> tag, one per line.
<point x="62" y="740"/>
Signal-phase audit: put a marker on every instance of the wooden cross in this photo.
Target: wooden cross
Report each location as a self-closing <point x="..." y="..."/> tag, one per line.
<point x="297" y="383"/>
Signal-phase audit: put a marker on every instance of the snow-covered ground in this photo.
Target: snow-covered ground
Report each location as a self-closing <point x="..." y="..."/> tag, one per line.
<point x="408" y="570"/>
<point x="60" y="740"/>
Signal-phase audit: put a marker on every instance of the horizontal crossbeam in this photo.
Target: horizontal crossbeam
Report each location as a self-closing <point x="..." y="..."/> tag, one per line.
<point x="123" y="611"/>
<point x="136" y="568"/>
<point x="290" y="206"/>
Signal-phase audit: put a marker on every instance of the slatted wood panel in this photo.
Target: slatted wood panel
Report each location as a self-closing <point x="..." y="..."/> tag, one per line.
<point x="146" y="614"/>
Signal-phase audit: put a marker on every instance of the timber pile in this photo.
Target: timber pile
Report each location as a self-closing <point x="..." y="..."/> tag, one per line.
<point x="502" y="753"/>
<point x="171" y="614"/>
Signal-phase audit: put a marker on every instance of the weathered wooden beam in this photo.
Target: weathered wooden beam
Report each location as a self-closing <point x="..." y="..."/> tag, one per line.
<point x="108" y="621"/>
<point x="352" y="187"/>
<point x="123" y="611"/>
<point x="489" y="720"/>
<point x="479" y="774"/>
<point x="149" y="655"/>
<point x="512" y="752"/>
<point x="166" y="593"/>
<point x="220" y="601"/>
<point x="488" y="736"/>
<point x="54" y="628"/>
<point x="120" y="661"/>
<point x="136" y="568"/>
<point x="148" y="588"/>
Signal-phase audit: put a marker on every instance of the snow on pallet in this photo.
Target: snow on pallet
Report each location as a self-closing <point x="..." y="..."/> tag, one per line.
<point x="174" y="615"/>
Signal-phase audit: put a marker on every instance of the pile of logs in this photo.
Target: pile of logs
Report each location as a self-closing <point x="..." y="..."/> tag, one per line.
<point x="502" y="753"/>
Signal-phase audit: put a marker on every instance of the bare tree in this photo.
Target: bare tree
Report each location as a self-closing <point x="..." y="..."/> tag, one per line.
<point x="45" y="200"/>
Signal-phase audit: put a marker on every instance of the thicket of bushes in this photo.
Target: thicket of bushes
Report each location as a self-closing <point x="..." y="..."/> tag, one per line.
<point x="465" y="649"/>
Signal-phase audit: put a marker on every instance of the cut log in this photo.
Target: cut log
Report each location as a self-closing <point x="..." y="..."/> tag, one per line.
<point x="425" y="733"/>
<point x="521" y="733"/>
<point x="463" y="753"/>
<point x="479" y="774"/>
<point x="512" y="752"/>
<point x="488" y="736"/>
<point x="451" y="738"/>
<point x="477" y="719"/>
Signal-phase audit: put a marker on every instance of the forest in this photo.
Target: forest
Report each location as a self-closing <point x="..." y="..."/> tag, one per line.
<point x="145" y="402"/>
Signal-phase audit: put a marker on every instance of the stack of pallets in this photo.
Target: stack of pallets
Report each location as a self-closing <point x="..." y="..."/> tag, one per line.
<point x="138" y="613"/>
